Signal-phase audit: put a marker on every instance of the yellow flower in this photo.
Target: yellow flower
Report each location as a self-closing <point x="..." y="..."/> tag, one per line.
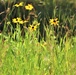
<point x="34" y="25"/>
<point x="17" y="20"/>
<point x="29" y="7"/>
<point x="18" y="5"/>
<point x="32" y="28"/>
<point x="54" y="21"/>
<point x="14" y="20"/>
<point x="21" y="4"/>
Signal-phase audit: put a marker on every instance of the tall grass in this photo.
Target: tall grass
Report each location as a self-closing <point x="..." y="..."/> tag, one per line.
<point x="26" y="55"/>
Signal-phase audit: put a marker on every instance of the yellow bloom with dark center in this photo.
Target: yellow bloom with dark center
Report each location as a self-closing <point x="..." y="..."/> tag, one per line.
<point x="32" y="28"/>
<point x="18" y="5"/>
<point x="54" y="21"/>
<point x="29" y="7"/>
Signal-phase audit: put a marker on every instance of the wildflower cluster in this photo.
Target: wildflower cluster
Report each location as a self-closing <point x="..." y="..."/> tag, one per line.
<point x="32" y="27"/>
<point x="19" y="20"/>
<point x="27" y="7"/>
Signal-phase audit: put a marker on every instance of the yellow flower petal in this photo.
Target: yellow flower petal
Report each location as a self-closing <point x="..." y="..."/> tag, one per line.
<point x="21" y="22"/>
<point x="14" y="20"/>
<point x="18" y="19"/>
<point x="25" y="21"/>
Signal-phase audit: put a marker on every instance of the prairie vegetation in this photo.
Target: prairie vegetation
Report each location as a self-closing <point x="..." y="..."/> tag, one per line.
<point x="37" y="37"/>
